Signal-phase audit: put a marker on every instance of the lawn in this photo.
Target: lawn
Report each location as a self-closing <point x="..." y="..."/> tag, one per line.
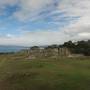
<point x="44" y="74"/>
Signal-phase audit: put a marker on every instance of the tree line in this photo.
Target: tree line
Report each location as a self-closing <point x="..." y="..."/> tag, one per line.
<point x="79" y="47"/>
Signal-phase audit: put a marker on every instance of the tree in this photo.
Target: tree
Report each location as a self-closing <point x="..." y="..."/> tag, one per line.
<point x="69" y="44"/>
<point x="35" y="48"/>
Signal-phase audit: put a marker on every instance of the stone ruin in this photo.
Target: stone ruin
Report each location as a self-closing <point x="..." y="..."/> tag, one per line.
<point x="49" y="52"/>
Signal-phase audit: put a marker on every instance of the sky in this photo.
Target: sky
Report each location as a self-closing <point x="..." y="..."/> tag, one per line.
<point x="43" y="22"/>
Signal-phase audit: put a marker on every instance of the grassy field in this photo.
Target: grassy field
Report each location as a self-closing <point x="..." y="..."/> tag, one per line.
<point x="44" y="74"/>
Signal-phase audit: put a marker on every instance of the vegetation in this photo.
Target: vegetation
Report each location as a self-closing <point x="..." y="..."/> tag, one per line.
<point x="80" y="47"/>
<point x="44" y="74"/>
<point x="34" y="48"/>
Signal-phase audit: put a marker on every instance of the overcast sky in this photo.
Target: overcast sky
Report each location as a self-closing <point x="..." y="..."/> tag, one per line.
<point x="43" y="22"/>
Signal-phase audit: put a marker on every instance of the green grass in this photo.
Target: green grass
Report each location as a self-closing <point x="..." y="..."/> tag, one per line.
<point x="44" y="74"/>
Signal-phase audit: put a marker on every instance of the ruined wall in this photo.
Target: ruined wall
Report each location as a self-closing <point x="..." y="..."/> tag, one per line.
<point x="55" y="52"/>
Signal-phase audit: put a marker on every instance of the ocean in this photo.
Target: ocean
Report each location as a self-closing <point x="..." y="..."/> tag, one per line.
<point x="5" y="49"/>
